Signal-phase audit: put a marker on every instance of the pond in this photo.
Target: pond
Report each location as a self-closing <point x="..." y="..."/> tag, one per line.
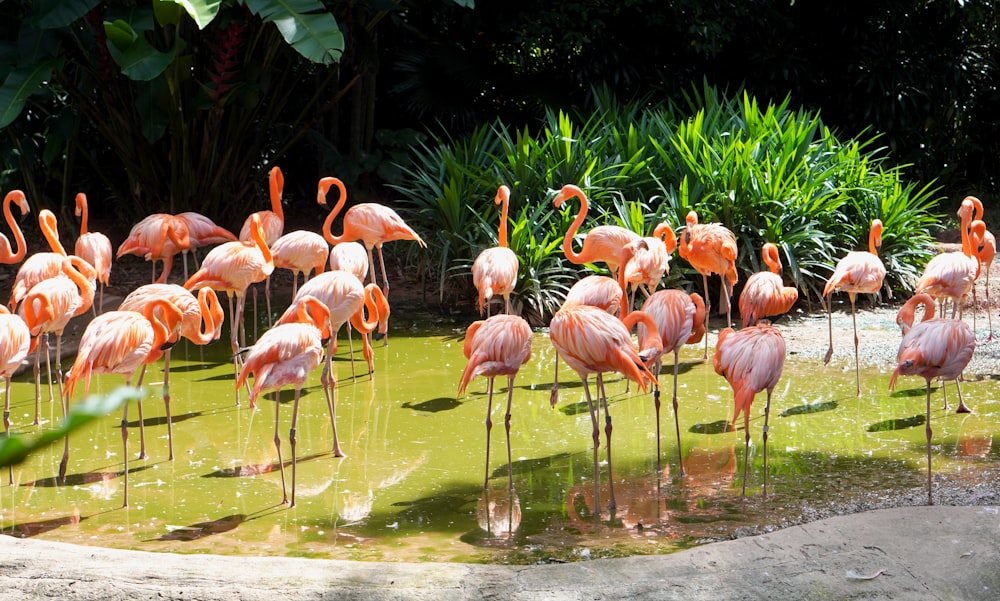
<point x="411" y="484"/>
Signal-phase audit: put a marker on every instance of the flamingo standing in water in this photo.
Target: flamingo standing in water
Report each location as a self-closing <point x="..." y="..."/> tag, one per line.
<point x="272" y="223"/>
<point x="119" y="342"/>
<point x="494" y="272"/>
<point x="8" y="255"/>
<point x="498" y="346"/>
<point x="591" y="341"/>
<point x="372" y="223"/>
<point x="15" y="344"/>
<point x="858" y="272"/>
<point x="300" y="251"/>
<point x="932" y="348"/>
<point x="710" y="248"/>
<point x="157" y="237"/>
<point x="679" y="319"/>
<point x="40" y="265"/>
<point x="94" y="248"/>
<point x="751" y="360"/>
<point x="765" y="294"/>
<point x="651" y="262"/>
<point x="604" y="243"/>
<point x="201" y="323"/>
<point x="952" y="275"/>
<point x="353" y="258"/>
<point x="285" y="355"/>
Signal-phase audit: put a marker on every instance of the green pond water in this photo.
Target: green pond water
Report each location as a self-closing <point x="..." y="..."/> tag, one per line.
<point x="411" y="484"/>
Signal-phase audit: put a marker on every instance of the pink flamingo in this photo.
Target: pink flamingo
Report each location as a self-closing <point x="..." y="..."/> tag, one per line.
<point x="765" y="294"/>
<point x="94" y="248"/>
<point x="498" y="346"/>
<point x="651" y="263"/>
<point x="272" y="224"/>
<point x="604" y="243"/>
<point x="985" y="250"/>
<point x="285" y="355"/>
<point x="590" y="341"/>
<point x="202" y="231"/>
<point x="711" y="248"/>
<point x="494" y="271"/>
<point x="751" y="360"/>
<point x="157" y="237"/>
<point x="679" y="319"/>
<point x="119" y="342"/>
<point x="300" y="251"/>
<point x="40" y="265"/>
<point x="952" y="275"/>
<point x="15" y="344"/>
<point x="353" y="258"/>
<point x="857" y="272"/>
<point x="372" y="223"/>
<point x="932" y="348"/>
<point x="8" y="255"/>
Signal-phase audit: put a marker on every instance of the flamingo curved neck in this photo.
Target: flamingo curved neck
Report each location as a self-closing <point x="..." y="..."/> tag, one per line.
<point x="277" y="186"/>
<point x="258" y="237"/>
<point x="367" y="326"/>
<point x="82" y="211"/>
<point x="875" y="237"/>
<point x="206" y="329"/>
<point x="324" y="187"/>
<point x="504" y="198"/>
<point x="568" y="192"/>
<point x="771" y="259"/>
<point x="20" y="249"/>
<point x="47" y="222"/>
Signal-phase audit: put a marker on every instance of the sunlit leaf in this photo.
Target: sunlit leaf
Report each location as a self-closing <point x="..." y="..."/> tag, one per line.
<point x="305" y="25"/>
<point x="201" y="11"/>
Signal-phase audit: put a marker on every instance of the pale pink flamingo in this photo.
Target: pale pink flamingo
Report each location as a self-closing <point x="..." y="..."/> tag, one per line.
<point x="49" y="306"/>
<point x="15" y="344"/>
<point x="497" y="346"/>
<point x="120" y="342"/>
<point x="300" y="251"/>
<point x="765" y="294"/>
<point x="202" y="231"/>
<point x="933" y="348"/>
<point x="94" y="248"/>
<point x="652" y="262"/>
<point x="710" y="248"/>
<point x="157" y="237"/>
<point x="351" y="257"/>
<point x="9" y="256"/>
<point x="858" y="272"/>
<point x="231" y="268"/>
<point x="285" y="355"/>
<point x="494" y="272"/>
<point x="41" y="265"/>
<point x="372" y="223"/>
<point x="604" y="243"/>
<point x="590" y="341"/>
<point x="201" y="323"/>
<point x="952" y="275"/>
<point x="680" y="320"/>
<point x="751" y="360"/>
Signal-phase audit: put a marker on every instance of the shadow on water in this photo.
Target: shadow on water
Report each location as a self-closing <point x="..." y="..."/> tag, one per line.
<point x="898" y="423"/>
<point x="717" y="427"/>
<point x="434" y="405"/>
<point x="248" y="470"/>
<point x="202" y="529"/>
<point x="809" y="408"/>
<point x="85" y="479"/>
<point x="30" y="529"/>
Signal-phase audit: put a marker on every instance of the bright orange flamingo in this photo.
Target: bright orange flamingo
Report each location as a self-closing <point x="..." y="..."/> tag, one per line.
<point x="933" y="348"/>
<point x="679" y="319"/>
<point x="94" y="248"/>
<point x="201" y="323"/>
<point x="40" y="265"/>
<point x="285" y="355"/>
<point x="498" y="346"/>
<point x="232" y="267"/>
<point x="157" y="237"/>
<point x="372" y="223"/>
<point x="120" y="342"/>
<point x="300" y="251"/>
<point x="652" y="262"/>
<point x="273" y="225"/>
<point x="378" y="314"/>
<point x="710" y="248"/>
<point x="858" y="272"/>
<point x="15" y="344"/>
<point x="494" y="272"/>
<point x="49" y="306"/>
<point x="985" y="249"/>
<point x="591" y="341"/>
<point x="9" y="256"/>
<point x="604" y="243"/>
<point x="751" y="360"/>
<point x="202" y="231"/>
<point x="952" y="275"/>
<point x="765" y="294"/>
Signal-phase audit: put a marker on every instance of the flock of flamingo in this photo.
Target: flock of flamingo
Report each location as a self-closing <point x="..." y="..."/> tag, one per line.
<point x="591" y="332"/>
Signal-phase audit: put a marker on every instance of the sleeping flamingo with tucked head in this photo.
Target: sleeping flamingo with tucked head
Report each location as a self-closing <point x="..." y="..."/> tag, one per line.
<point x="765" y="294"/>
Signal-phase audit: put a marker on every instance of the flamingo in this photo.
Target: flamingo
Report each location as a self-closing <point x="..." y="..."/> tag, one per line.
<point x="119" y="342"/>
<point x="94" y="248"/>
<point x="285" y="355"/>
<point x="272" y="223"/>
<point x="49" y="306"/>
<point x="710" y="248"/>
<point x="15" y="344"/>
<point x="8" y="255"/>
<point x="679" y="319"/>
<point x="201" y="323"/>
<point x="985" y="251"/>
<point x="494" y="271"/>
<point x="232" y="267"/>
<point x="157" y="237"/>
<point x="352" y="257"/>
<point x="40" y="265"/>
<point x="651" y="263"/>
<point x="952" y="275"/>
<point x="604" y="243"/>
<point x="857" y="272"/>
<point x="372" y="223"/>
<point x="765" y="294"/>
<point x="300" y="251"/>
<point x="932" y="348"/>
<point x="202" y="231"/>
<point x="497" y="346"/>
<point x="592" y="341"/>
<point x="751" y="360"/>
